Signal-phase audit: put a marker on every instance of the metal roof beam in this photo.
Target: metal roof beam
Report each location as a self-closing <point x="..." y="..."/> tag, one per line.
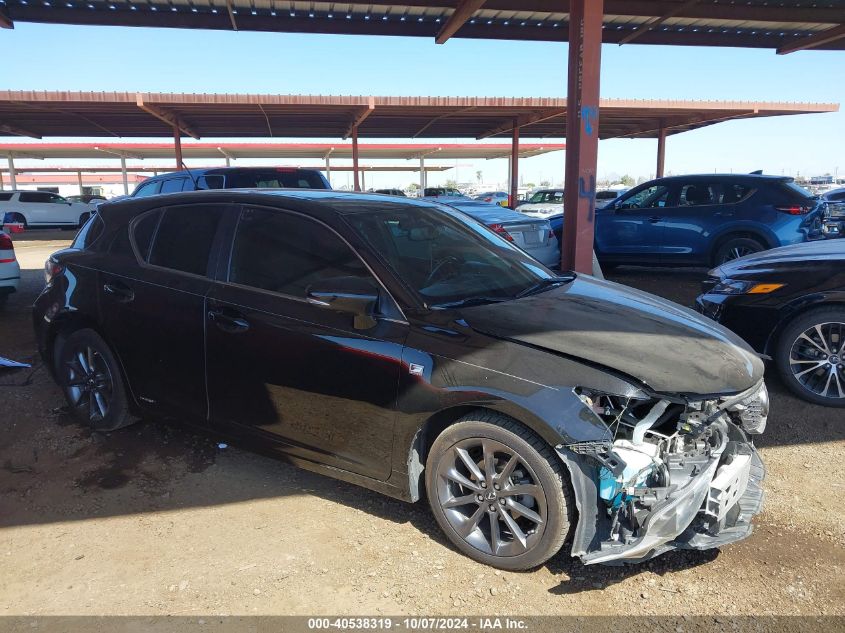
<point x="427" y="152"/>
<point x="359" y="117"/>
<point x="8" y="128"/>
<point x="813" y="41"/>
<point x="680" y="123"/>
<point x="166" y="116"/>
<point x="118" y="152"/>
<point x="5" y="20"/>
<point x="230" y="7"/>
<point x="521" y="121"/>
<point x="650" y="24"/>
<point x="463" y="12"/>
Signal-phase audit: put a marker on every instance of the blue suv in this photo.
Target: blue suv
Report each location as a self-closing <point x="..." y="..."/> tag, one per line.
<point x="705" y="220"/>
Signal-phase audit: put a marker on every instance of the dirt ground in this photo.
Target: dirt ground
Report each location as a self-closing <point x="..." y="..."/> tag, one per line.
<point x="155" y="519"/>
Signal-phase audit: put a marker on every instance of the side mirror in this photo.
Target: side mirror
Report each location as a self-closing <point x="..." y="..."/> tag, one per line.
<point x="349" y="295"/>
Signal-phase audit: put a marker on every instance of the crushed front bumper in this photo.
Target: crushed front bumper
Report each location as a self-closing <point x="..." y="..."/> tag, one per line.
<point x="713" y="509"/>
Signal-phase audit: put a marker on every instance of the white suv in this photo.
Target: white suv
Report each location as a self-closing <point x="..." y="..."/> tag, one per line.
<point x="10" y="271"/>
<point x="42" y="208"/>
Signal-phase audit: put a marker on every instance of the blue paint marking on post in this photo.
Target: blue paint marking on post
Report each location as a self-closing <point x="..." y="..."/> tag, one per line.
<point x="588" y="194"/>
<point x="589" y="114"/>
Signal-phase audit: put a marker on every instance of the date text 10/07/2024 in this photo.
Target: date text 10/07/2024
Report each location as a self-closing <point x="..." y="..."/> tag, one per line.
<point x="417" y="624"/>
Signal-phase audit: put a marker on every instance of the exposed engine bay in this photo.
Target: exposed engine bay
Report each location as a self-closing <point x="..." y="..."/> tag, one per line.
<point x="676" y="474"/>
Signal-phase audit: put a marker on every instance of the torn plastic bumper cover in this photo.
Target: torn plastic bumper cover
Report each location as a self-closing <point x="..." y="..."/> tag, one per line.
<point x="644" y="494"/>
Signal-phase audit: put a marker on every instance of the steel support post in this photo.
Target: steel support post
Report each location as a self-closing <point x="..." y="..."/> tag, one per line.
<point x="582" y="133"/>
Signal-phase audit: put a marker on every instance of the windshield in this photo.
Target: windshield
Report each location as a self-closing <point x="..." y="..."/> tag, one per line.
<point x="445" y="257"/>
<point x="547" y="196"/>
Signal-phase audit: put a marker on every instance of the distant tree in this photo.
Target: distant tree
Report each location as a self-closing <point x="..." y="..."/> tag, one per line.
<point x="545" y="183"/>
<point x="451" y="184"/>
<point x="414" y="186"/>
<point x="627" y="180"/>
<point x="530" y="185"/>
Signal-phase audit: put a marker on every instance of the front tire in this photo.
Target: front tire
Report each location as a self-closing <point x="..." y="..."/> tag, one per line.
<point x="498" y="492"/>
<point x="810" y="356"/>
<point x="90" y="378"/>
<point x="736" y="247"/>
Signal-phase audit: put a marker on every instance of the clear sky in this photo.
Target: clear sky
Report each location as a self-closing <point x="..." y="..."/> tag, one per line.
<point x="47" y="57"/>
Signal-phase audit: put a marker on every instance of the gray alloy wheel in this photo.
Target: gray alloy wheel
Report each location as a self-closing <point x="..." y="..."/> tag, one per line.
<point x="491" y="497"/>
<point x="90" y="378"/>
<point x="89" y="383"/>
<point x="811" y="356"/>
<point x="498" y="491"/>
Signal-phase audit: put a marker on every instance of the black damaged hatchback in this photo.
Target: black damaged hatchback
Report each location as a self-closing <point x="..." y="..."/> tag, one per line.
<point x="405" y="347"/>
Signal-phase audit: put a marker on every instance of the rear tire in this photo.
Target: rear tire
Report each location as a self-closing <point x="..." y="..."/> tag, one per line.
<point x="498" y="492"/>
<point x="736" y="247"/>
<point x="810" y="356"/>
<point x="90" y="378"/>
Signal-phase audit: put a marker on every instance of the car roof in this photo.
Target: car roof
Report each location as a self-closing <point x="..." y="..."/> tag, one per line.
<point x="197" y="172"/>
<point x="712" y="177"/>
<point x="340" y="202"/>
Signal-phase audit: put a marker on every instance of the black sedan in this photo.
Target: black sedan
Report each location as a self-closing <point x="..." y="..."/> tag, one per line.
<point x="404" y="346"/>
<point x="788" y="303"/>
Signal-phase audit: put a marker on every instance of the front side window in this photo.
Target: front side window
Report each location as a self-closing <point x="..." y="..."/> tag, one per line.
<point x="147" y="189"/>
<point x="649" y="198"/>
<point x="547" y="197"/>
<point x="286" y="253"/>
<point x="57" y="199"/>
<point x="173" y="185"/>
<point x="184" y="238"/>
<point x="445" y="257"/>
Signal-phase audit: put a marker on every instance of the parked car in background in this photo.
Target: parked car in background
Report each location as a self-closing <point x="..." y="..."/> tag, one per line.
<point x="87" y="198"/>
<point x="532" y="235"/>
<point x="10" y="270"/>
<point x="606" y="196"/>
<point x="42" y="209"/>
<point x="788" y="303"/>
<point x="443" y="194"/>
<point x="494" y="197"/>
<point x="543" y="203"/>
<point x="402" y="346"/>
<point x="833" y="222"/>
<point x="705" y="220"/>
<point x="391" y="192"/>
<point x="232" y="178"/>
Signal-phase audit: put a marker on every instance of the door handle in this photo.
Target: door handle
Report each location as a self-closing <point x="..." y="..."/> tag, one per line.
<point x="229" y="321"/>
<point x="654" y="219"/>
<point x="121" y="292"/>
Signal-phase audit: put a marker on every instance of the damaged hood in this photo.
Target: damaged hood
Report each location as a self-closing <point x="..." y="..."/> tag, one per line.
<point x="668" y="347"/>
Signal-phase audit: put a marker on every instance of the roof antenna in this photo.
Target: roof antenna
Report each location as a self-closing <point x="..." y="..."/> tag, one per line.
<point x="191" y="176"/>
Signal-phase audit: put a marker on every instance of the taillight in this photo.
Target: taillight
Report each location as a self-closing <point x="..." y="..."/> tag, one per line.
<point x="498" y="228"/>
<point x="52" y="269"/>
<point x="488" y="199"/>
<point x="795" y="209"/>
<point x="6" y="245"/>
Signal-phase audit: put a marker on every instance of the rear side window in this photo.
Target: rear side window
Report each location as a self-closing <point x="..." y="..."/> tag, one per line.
<point x="34" y="196"/>
<point x="698" y="194"/>
<point x="286" y="253"/>
<point x="143" y="232"/>
<point x="184" y="238"/>
<point x="89" y="233"/>
<point x="733" y="192"/>
<point x="5" y="196"/>
<point x="273" y="179"/>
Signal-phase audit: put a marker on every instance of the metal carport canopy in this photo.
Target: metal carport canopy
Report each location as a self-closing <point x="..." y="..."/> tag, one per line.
<point x="785" y="25"/>
<point x="124" y="114"/>
<point x="279" y="151"/>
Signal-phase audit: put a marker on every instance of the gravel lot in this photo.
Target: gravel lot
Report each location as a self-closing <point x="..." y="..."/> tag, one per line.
<point x="154" y="519"/>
